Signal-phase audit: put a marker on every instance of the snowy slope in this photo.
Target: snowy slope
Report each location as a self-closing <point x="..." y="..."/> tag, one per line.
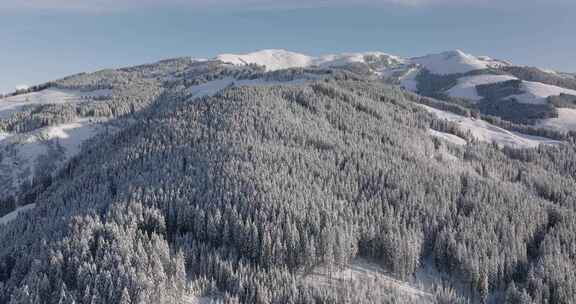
<point x="454" y="62"/>
<point x="42" y="151"/>
<point x="211" y="88"/>
<point x="361" y="271"/>
<point x="12" y="215"/>
<point x="448" y="137"/>
<point x="13" y="104"/>
<point x="272" y="59"/>
<point x="282" y="59"/>
<point x="536" y="92"/>
<point x="487" y="132"/>
<point x="533" y="92"/>
<point x="566" y="120"/>
<point x="379" y="61"/>
<point x="466" y="87"/>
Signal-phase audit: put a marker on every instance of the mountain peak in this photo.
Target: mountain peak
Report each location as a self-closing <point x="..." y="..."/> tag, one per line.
<point x="455" y="62"/>
<point x="273" y="59"/>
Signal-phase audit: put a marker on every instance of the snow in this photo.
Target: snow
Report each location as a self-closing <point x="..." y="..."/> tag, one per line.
<point x="282" y="59"/>
<point x="466" y="87"/>
<point x="487" y="132"/>
<point x="14" y="214"/>
<point x="379" y="59"/>
<point x="23" y="153"/>
<point x="448" y="137"/>
<point x="408" y="80"/>
<point x="455" y="62"/>
<point x="566" y="120"/>
<point x="361" y="270"/>
<point x="536" y="92"/>
<point x="213" y="87"/>
<point x="187" y="299"/>
<point x="13" y="104"/>
<point x="533" y="92"/>
<point x="272" y="59"/>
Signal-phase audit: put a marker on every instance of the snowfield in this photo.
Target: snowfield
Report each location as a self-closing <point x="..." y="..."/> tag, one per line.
<point x="533" y="92"/>
<point x="408" y="80"/>
<point x="448" y="137"/>
<point x="14" y="214"/>
<point x="455" y="62"/>
<point x="487" y="132"/>
<point x="42" y="151"/>
<point x="536" y="92"/>
<point x="363" y="271"/>
<point x="13" y="104"/>
<point x="282" y="59"/>
<point x="566" y="120"/>
<point x="272" y="59"/>
<point x="466" y="87"/>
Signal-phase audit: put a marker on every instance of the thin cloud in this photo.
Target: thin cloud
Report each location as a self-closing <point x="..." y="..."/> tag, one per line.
<point x="107" y="5"/>
<point x="98" y="6"/>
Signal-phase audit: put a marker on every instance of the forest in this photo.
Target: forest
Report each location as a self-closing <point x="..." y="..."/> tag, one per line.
<point x="239" y="195"/>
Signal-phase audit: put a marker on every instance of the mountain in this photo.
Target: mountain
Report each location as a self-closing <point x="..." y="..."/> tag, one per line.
<point x="276" y="177"/>
<point x="456" y="62"/>
<point x="490" y="86"/>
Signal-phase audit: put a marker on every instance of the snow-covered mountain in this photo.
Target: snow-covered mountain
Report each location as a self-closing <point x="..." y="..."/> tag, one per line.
<point x="275" y="177"/>
<point x="26" y="155"/>
<point x="456" y="62"/>
<point x="281" y="59"/>
<point x="483" y="81"/>
<point x="454" y="74"/>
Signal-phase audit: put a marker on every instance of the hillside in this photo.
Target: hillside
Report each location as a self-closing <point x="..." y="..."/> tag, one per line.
<point x="205" y="180"/>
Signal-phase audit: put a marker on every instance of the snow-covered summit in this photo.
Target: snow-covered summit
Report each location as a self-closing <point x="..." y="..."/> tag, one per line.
<point x="455" y="62"/>
<point x="276" y="59"/>
<point x="273" y="59"/>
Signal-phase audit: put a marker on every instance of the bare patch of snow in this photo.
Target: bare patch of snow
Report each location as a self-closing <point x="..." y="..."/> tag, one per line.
<point x="42" y="151"/>
<point x="14" y="214"/>
<point x="566" y="120"/>
<point x="361" y="270"/>
<point x="272" y="59"/>
<point x="448" y="137"/>
<point x="282" y="59"/>
<point x="13" y="104"/>
<point x="466" y="87"/>
<point x="408" y="80"/>
<point x="536" y="92"/>
<point x="487" y="132"/>
<point x="455" y="62"/>
<point x="187" y="299"/>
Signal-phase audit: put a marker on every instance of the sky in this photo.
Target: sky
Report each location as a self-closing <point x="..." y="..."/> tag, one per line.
<point x="42" y="40"/>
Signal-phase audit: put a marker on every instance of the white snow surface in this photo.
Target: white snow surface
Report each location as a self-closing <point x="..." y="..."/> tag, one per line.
<point x="454" y="62"/>
<point x="275" y="59"/>
<point x="13" y="104"/>
<point x="23" y="153"/>
<point x="536" y="92"/>
<point x="408" y="80"/>
<point x="487" y="132"/>
<point x="213" y="87"/>
<point x="466" y="87"/>
<point x="14" y="214"/>
<point x="566" y="120"/>
<point x="361" y="270"/>
<point x="448" y="137"/>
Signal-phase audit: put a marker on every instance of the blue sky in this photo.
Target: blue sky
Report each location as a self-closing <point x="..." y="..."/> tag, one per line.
<point x="41" y="40"/>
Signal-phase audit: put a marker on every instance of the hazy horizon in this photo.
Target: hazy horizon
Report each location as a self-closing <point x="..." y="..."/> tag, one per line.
<point x="45" y="40"/>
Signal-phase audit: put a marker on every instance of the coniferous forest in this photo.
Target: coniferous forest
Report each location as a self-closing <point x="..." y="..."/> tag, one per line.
<point x="240" y="195"/>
